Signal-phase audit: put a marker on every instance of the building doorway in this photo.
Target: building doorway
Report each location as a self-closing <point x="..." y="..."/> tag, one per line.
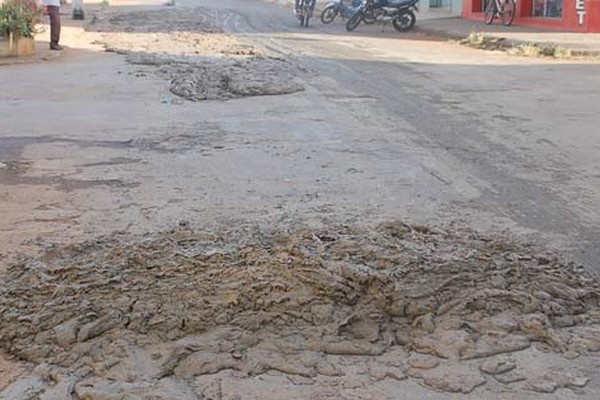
<point x="547" y="9"/>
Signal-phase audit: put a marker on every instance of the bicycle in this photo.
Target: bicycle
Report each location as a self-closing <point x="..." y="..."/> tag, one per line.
<point x="504" y="8"/>
<point x="304" y="10"/>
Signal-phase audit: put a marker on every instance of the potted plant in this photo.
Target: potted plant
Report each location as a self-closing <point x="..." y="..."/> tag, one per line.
<point x="17" y="27"/>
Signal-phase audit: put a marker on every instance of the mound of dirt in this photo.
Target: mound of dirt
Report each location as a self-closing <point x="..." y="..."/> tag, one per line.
<point x="199" y="20"/>
<point x="227" y="78"/>
<point x="190" y="49"/>
<point x="186" y="304"/>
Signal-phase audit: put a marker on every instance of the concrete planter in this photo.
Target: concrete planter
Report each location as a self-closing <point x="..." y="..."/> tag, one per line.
<point x="10" y="47"/>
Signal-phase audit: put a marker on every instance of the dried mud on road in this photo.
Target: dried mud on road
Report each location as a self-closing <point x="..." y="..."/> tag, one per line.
<point x="188" y="48"/>
<point x="346" y="307"/>
<point x="340" y="312"/>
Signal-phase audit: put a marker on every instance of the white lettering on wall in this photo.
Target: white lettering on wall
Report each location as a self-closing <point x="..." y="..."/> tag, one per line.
<point x="580" y="10"/>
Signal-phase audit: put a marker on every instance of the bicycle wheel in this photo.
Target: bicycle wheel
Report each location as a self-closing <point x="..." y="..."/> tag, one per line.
<point x="507" y="13"/>
<point x="404" y="21"/>
<point x="490" y="12"/>
<point x="329" y="14"/>
<point x="354" y="21"/>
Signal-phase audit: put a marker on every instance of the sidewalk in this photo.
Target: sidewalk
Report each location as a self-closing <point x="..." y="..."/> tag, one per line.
<point x="579" y="44"/>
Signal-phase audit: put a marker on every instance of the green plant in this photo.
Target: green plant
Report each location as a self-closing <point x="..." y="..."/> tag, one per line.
<point x="18" y="18"/>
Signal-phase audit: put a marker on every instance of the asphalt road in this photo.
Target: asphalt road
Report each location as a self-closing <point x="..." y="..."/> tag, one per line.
<point x="390" y="126"/>
<point x="515" y="139"/>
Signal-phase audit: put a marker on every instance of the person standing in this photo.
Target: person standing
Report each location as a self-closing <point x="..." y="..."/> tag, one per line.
<point x="311" y="5"/>
<point x="53" y="9"/>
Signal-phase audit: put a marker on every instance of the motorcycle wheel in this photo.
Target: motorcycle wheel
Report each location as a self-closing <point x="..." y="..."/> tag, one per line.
<point x="404" y="21"/>
<point x="354" y="21"/>
<point x="329" y="14"/>
<point x="369" y="17"/>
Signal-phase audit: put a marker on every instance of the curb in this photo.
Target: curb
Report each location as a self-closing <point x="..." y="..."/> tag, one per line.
<point x="506" y="43"/>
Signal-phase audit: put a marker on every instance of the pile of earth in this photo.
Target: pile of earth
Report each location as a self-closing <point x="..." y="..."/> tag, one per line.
<point x="224" y="78"/>
<point x="189" y="48"/>
<point x="199" y="20"/>
<point x="307" y="303"/>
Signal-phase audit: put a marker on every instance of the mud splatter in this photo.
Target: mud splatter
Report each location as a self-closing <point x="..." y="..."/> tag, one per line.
<point x="188" y="48"/>
<point x="186" y="304"/>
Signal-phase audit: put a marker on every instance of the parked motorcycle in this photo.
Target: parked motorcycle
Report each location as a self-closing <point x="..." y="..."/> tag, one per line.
<point x="341" y="8"/>
<point x="304" y="11"/>
<point x="400" y="12"/>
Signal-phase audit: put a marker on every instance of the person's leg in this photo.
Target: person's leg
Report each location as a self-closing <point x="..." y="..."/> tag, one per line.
<point x="54" y="13"/>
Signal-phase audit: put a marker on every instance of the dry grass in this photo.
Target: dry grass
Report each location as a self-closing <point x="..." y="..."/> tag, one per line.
<point x="526" y="50"/>
<point x="479" y="40"/>
<point x="562" y="53"/>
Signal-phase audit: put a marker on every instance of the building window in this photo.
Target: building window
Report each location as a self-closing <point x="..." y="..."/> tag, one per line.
<point x="547" y="8"/>
<point x="439" y="4"/>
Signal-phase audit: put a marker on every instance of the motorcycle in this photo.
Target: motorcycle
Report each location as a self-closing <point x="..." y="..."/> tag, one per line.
<point x="400" y="12"/>
<point x="341" y="8"/>
<point x="304" y="11"/>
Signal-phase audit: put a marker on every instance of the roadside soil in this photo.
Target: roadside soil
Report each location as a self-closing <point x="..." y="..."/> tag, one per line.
<point x="330" y="308"/>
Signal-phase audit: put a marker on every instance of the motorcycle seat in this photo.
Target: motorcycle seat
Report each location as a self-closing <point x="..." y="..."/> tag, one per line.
<point x="393" y="3"/>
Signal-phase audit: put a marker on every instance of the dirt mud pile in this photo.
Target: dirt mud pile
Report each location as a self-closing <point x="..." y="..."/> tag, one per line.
<point x="338" y="306"/>
<point x="190" y="49"/>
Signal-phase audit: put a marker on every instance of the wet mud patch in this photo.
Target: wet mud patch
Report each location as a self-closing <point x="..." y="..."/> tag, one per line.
<point x="15" y="173"/>
<point x="392" y="302"/>
<point x="189" y="49"/>
<point x="113" y="161"/>
<point x="12" y="147"/>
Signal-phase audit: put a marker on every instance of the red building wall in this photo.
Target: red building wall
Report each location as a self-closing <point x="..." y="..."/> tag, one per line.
<point x="593" y="16"/>
<point x="568" y="22"/>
